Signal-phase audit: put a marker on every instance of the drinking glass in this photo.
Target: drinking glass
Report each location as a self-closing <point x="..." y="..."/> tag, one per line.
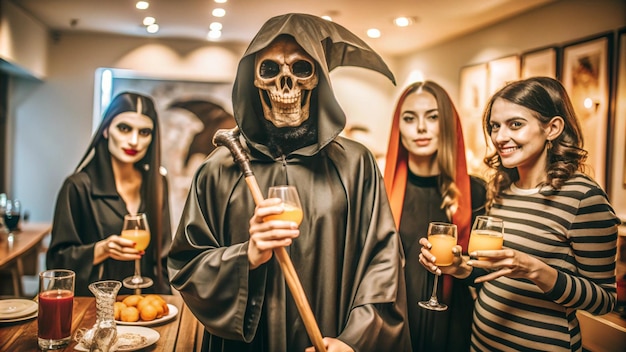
<point x="12" y="215"/>
<point x="487" y="234"/>
<point x="56" y="301"/>
<point x="442" y="236"/>
<point x="291" y="204"/>
<point x="136" y="229"/>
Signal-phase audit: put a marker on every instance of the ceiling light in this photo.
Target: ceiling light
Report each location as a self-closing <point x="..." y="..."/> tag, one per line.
<point x="148" y="21"/>
<point x="153" y="28"/>
<point x="327" y="18"/>
<point x="215" y="26"/>
<point x="212" y="35"/>
<point x="403" y="21"/>
<point x="221" y="1"/>
<point x="219" y="12"/>
<point x="373" y="33"/>
<point x="142" y="5"/>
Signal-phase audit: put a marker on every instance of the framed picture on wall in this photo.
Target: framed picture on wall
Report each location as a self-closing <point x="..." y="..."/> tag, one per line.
<point x="502" y="71"/>
<point x="585" y="75"/>
<point x="540" y="62"/>
<point x="617" y="169"/>
<point x="473" y="97"/>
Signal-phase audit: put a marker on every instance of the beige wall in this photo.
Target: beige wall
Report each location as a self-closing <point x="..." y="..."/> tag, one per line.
<point x="52" y="120"/>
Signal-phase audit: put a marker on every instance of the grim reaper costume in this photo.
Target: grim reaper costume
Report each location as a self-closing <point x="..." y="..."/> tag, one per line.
<point x="348" y="255"/>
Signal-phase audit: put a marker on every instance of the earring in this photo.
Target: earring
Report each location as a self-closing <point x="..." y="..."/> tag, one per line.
<point x="549" y="144"/>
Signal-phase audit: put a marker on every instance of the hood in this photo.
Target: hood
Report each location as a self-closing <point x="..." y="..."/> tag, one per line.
<point x="330" y="45"/>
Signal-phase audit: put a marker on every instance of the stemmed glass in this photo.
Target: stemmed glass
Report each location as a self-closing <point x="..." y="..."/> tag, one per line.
<point x="291" y="204"/>
<point x="136" y="229"/>
<point x="12" y="215"/>
<point x="442" y="236"/>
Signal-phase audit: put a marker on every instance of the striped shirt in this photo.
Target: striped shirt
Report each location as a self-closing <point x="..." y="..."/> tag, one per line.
<point x="574" y="230"/>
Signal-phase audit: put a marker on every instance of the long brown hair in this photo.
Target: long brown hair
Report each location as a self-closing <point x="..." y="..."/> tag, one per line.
<point x="547" y="98"/>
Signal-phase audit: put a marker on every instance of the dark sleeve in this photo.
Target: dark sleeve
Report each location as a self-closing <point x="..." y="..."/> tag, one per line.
<point x="212" y="278"/>
<point x="478" y="188"/>
<point x="70" y="249"/>
<point x="166" y="238"/>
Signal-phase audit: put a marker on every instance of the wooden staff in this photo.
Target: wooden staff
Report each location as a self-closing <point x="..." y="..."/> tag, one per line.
<point x="230" y="139"/>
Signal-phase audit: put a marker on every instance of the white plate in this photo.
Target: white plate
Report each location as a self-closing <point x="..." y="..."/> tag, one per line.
<point x="15" y="308"/>
<point x="151" y="336"/>
<point x="173" y="312"/>
<point x="13" y="320"/>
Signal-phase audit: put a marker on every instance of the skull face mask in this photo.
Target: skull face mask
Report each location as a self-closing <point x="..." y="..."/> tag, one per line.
<point x="285" y="75"/>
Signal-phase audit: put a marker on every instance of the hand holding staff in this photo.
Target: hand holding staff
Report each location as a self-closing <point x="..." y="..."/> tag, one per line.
<point x="230" y="139"/>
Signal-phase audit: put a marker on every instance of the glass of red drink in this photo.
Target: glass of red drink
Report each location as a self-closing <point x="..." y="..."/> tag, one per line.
<point x="56" y="302"/>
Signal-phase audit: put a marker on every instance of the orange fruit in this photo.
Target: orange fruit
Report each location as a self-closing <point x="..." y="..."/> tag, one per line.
<point x="143" y="302"/>
<point x="132" y="300"/>
<point x="159" y="307"/>
<point x="166" y="309"/>
<point x="149" y="312"/>
<point x="157" y="297"/>
<point x="129" y="314"/>
<point x="117" y="309"/>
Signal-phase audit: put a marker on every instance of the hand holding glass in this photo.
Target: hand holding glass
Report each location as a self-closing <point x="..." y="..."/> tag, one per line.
<point x="136" y="229"/>
<point x="56" y="302"/>
<point x="442" y="237"/>
<point x="487" y="234"/>
<point x="291" y="204"/>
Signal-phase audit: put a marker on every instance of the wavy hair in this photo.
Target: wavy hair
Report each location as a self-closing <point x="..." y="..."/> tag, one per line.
<point x="547" y="98"/>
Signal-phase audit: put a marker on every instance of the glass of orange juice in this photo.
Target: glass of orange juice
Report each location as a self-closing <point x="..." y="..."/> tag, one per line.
<point x="487" y="234"/>
<point x="442" y="237"/>
<point x="136" y="229"/>
<point x="291" y="203"/>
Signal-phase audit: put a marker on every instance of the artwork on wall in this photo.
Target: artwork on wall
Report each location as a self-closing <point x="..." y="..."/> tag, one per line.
<point x="502" y="71"/>
<point x="189" y="114"/>
<point x="585" y="75"/>
<point x="617" y="187"/>
<point x="473" y="97"/>
<point x="541" y="62"/>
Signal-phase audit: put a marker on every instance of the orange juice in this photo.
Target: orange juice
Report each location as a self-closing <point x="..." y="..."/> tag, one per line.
<point x="485" y="240"/>
<point x="442" y="249"/>
<point x="290" y="213"/>
<point x="140" y="237"/>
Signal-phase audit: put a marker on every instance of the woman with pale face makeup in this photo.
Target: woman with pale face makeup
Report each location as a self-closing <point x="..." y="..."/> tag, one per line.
<point x="426" y="179"/>
<point x="120" y="174"/>
<point x="560" y="231"/>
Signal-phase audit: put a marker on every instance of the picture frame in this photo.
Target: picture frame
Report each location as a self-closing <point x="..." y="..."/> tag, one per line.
<point x="472" y="98"/>
<point x="585" y="74"/>
<point x="502" y="71"/>
<point x="540" y="62"/>
<point x="617" y="169"/>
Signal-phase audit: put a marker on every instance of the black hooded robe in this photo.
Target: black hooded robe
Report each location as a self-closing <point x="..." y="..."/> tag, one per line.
<point x="348" y="256"/>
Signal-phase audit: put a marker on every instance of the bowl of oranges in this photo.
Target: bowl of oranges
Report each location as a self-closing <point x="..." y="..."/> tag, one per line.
<point x="143" y="310"/>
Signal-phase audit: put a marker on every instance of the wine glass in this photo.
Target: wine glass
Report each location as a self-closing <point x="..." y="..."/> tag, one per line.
<point x="442" y="236"/>
<point x="291" y="203"/>
<point x="136" y="229"/>
<point x="12" y="215"/>
<point x="487" y="234"/>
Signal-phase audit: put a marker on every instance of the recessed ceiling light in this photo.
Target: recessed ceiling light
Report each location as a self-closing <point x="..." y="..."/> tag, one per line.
<point x="215" y="26"/>
<point x="218" y="12"/>
<point x="403" y="21"/>
<point x="148" y="21"/>
<point x="373" y="33"/>
<point x="212" y="35"/>
<point x="142" y="5"/>
<point x="153" y="28"/>
<point x="327" y="18"/>
<point x="221" y="1"/>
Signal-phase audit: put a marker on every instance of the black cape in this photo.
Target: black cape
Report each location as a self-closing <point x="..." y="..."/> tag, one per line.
<point x="348" y="255"/>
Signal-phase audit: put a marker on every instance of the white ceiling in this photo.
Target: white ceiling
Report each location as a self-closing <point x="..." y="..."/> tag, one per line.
<point x="437" y="20"/>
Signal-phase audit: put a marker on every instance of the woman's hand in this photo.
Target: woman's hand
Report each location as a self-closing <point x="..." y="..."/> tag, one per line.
<point x="514" y="264"/>
<point x="458" y="268"/>
<point x="332" y="345"/>
<point x="265" y="236"/>
<point x="117" y="248"/>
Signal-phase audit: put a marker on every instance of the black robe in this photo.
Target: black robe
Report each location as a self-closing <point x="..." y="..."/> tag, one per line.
<point x="348" y="256"/>
<point x="88" y="210"/>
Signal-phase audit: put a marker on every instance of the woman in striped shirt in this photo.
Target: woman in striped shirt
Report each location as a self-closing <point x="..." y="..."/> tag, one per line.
<point x="560" y="230"/>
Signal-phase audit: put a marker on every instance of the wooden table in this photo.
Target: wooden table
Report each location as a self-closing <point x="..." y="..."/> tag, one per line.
<point x="182" y="333"/>
<point x="13" y="250"/>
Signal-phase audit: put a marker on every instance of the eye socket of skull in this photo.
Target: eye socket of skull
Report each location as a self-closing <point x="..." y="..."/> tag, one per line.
<point x="269" y="69"/>
<point x="302" y="69"/>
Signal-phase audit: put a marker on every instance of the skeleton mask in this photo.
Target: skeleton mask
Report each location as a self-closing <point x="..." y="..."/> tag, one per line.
<point x="285" y="75"/>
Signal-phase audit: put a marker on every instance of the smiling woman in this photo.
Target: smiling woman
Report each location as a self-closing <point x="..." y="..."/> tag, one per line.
<point x="120" y="174"/>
